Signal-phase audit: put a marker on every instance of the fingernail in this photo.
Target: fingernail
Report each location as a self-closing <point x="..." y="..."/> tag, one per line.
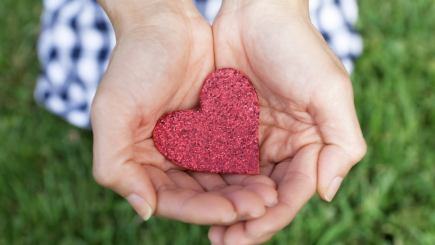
<point x="230" y="219"/>
<point x="256" y="236"/>
<point x="251" y="216"/>
<point x="272" y="204"/>
<point x="254" y="215"/>
<point x="333" y="188"/>
<point x="141" y="207"/>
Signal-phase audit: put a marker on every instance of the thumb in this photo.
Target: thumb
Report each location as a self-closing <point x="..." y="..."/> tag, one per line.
<point x="114" y="124"/>
<point x="335" y="114"/>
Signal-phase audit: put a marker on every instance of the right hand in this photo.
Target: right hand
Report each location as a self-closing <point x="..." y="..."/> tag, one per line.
<point x="163" y="54"/>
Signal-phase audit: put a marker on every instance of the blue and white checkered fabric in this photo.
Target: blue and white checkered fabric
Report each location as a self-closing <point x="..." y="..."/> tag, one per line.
<point x="77" y="38"/>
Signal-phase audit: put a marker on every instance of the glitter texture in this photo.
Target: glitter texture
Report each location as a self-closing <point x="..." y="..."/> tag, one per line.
<point x="222" y="136"/>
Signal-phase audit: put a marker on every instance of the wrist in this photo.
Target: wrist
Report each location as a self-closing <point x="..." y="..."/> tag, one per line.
<point x="296" y="7"/>
<point x="132" y="15"/>
<point x="281" y="2"/>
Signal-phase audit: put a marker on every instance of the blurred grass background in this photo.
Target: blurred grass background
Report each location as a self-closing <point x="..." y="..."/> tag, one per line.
<point x="48" y="195"/>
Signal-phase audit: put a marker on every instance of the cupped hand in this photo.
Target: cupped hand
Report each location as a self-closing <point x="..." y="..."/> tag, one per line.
<point x="309" y="132"/>
<point x="163" y="54"/>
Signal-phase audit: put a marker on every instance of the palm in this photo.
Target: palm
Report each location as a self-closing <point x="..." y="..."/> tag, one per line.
<point x="309" y="132"/>
<point x="158" y="69"/>
<point x="298" y="81"/>
<point x="285" y="124"/>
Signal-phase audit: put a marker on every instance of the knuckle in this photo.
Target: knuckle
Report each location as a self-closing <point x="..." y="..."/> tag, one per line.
<point x="361" y="150"/>
<point x="102" y="177"/>
<point x="358" y="152"/>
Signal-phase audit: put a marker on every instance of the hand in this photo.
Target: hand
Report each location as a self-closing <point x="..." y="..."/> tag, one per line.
<point x="163" y="54"/>
<point x="309" y="132"/>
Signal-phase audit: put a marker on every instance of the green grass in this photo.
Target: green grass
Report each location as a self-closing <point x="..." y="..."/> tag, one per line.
<point x="48" y="195"/>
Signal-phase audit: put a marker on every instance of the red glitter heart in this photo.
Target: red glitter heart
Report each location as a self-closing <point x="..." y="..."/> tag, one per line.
<point x="222" y="136"/>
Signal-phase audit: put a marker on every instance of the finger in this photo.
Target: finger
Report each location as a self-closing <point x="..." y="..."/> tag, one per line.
<point x="261" y="185"/>
<point x="208" y="181"/>
<point x="236" y="234"/>
<point x="115" y="169"/>
<point x="132" y="183"/>
<point x="184" y="181"/>
<point x="268" y="194"/>
<point x="245" y="179"/>
<point x="247" y="203"/>
<point x="146" y="153"/>
<point x="216" y="234"/>
<point x="335" y="114"/>
<point x="113" y="166"/>
<point x="189" y="206"/>
<point x="294" y="190"/>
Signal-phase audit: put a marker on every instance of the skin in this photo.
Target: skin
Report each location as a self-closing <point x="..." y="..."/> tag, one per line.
<point x="309" y="132"/>
<point x="157" y="67"/>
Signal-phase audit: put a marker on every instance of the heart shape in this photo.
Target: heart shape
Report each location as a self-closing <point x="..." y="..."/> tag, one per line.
<point x="222" y="136"/>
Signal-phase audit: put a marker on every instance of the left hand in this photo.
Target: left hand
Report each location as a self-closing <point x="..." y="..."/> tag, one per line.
<point x="309" y="132"/>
